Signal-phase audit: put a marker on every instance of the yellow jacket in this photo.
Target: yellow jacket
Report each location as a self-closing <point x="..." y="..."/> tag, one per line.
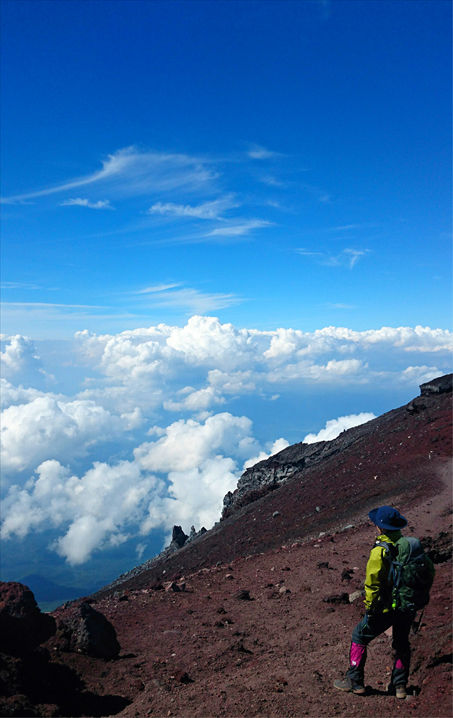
<point x="378" y="589"/>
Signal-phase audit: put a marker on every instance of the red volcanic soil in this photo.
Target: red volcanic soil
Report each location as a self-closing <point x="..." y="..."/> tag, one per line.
<point x="206" y="651"/>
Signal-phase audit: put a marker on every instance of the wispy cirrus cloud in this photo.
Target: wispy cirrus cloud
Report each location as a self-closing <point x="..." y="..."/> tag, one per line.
<point x="83" y="202"/>
<point x="206" y="210"/>
<point x="131" y="171"/>
<point x="237" y="230"/>
<point x="354" y="255"/>
<point x="158" y="288"/>
<point x="272" y="181"/>
<point x="19" y="285"/>
<point x="340" y="305"/>
<point x="347" y="257"/>
<point x="191" y="300"/>
<point x="257" y="152"/>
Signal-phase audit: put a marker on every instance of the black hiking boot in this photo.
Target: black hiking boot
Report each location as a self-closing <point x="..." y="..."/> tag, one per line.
<point x="349" y="687"/>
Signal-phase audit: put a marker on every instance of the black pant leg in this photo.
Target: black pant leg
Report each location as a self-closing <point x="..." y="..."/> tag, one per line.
<point x="367" y="629"/>
<point x="401" y="648"/>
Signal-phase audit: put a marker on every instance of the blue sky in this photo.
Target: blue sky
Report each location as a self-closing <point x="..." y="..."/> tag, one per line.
<point x="223" y="223"/>
<point x="221" y="148"/>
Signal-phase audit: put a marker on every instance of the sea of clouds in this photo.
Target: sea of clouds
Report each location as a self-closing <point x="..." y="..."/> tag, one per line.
<point x="151" y="435"/>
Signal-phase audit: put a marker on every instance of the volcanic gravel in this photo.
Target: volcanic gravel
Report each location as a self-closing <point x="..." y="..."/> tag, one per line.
<point x="250" y="632"/>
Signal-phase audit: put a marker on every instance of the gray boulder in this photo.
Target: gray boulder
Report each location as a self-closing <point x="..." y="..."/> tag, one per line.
<point x="82" y="629"/>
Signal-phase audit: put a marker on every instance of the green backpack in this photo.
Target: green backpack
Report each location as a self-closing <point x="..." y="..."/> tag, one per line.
<point x="411" y="573"/>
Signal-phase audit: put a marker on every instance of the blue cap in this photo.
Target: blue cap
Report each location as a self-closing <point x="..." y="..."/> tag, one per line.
<point x="386" y="517"/>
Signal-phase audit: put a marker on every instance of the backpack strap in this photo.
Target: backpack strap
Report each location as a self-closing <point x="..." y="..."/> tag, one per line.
<point x="391" y="553"/>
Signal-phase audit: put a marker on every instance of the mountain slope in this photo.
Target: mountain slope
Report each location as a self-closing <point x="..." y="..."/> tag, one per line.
<point x="299" y="553"/>
<point x="254" y="617"/>
<point x="393" y="458"/>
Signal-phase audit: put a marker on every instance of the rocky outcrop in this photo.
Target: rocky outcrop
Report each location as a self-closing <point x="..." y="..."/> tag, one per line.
<point x="178" y="538"/>
<point x="22" y="625"/>
<point x="179" y="541"/>
<point x="82" y="629"/>
<point x="441" y="385"/>
<point x="31" y="684"/>
<point x="271" y="473"/>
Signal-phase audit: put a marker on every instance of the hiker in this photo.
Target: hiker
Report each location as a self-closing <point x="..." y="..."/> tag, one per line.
<point x="383" y="607"/>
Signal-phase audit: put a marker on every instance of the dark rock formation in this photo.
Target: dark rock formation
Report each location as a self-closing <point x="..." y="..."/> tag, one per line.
<point x="82" y="629"/>
<point x="22" y="625"/>
<point x="195" y="534"/>
<point x="441" y="385"/>
<point x="31" y="684"/>
<point x="337" y="598"/>
<point x="178" y="538"/>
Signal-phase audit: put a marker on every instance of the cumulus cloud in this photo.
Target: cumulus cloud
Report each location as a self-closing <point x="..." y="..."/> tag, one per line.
<point x="334" y="427"/>
<point x="46" y="427"/>
<point x="420" y="374"/>
<point x="179" y="470"/>
<point x="93" y="510"/>
<point x="19" y="357"/>
<point x="187" y="443"/>
<point x="11" y="394"/>
<point x="194" y="400"/>
<point x="180" y="477"/>
<point x="197" y="366"/>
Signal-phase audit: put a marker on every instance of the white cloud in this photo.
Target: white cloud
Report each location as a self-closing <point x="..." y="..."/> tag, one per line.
<point x="354" y="255"/>
<point x="257" y="152"/>
<point x="420" y="374"/>
<point x="334" y="427"/>
<point x="195" y="400"/>
<point x="80" y="202"/>
<point x="347" y="257"/>
<point x="202" y="461"/>
<point x="19" y="285"/>
<point x="132" y="172"/>
<point x="207" y="210"/>
<point x="19" y="356"/>
<point x="272" y="181"/>
<point x="10" y="394"/>
<point x="238" y="230"/>
<point x="111" y="502"/>
<point x="93" y="510"/>
<point x="157" y="288"/>
<point x="47" y="427"/>
<point x="182" y="471"/>
<point x="192" y="300"/>
<point x="218" y="361"/>
<point x="334" y="369"/>
<point x="187" y="443"/>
